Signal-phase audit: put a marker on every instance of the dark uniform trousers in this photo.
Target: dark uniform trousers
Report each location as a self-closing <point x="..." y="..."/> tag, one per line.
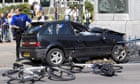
<point x="18" y="35"/>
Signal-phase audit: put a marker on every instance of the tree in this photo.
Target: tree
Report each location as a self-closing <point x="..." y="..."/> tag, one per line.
<point x="89" y="6"/>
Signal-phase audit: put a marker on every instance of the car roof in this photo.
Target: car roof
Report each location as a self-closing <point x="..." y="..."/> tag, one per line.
<point x="59" y="21"/>
<point x="54" y="21"/>
<point x="36" y="22"/>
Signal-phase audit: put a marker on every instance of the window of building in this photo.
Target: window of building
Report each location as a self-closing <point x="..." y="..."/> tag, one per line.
<point x="8" y="1"/>
<point x="18" y="0"/>
<point x="113" y="6"/>
<point x="0" y="1"/>
<point x="26" y="0"/>
<point x="45" y="2"/>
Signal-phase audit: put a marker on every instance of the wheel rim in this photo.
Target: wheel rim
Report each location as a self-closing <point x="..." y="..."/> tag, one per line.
<point x="120" y="53"/>
<point x="56" y="57"/>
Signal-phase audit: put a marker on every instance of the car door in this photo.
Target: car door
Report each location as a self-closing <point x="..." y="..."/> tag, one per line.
<point x="66" y="38"/>
<point x="72" y="44"/>
<point x="88" y="44"/>
<point x="64" y="35"/>
<point x="93" y="43"/>
<point x="47" y="35"/>
<point x="106" y="42"/>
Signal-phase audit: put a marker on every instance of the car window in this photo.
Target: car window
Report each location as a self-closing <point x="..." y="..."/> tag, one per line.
<point x="77" y="28"/>
<point x="48" y="29"/>
<point x="34" y="27"/>
<point x="33" y="30"/>
<point x="62" y="29"/>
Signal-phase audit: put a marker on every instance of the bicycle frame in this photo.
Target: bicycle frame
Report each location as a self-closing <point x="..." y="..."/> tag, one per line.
<point x="30" y="70"/>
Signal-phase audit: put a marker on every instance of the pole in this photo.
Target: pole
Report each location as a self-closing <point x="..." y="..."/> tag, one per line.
<point x="55" y="12"/>
<point x="83" y="6"/>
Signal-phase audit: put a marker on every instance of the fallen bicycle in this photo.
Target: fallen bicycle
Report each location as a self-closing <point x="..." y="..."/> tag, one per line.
<point x="59" y="73"/>
<point x="106" y="69"/>
<point x="33" y="74"/>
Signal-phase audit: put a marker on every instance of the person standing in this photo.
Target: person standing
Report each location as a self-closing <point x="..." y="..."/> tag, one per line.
<point x="68" y="13"/>
<point x="32" y="11"/>
<point x="42" y="17"/>
<point x="75" y="14"/>
<point x="9" y="17"/>
<point x="18" y="22"/>
<point x="5" y="27"/>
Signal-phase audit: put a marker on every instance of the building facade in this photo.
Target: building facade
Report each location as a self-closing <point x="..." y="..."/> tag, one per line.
<point x="119" y="15"/>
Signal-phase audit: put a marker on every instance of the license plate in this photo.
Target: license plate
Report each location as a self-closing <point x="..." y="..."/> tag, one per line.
<point x="26" y="54"/>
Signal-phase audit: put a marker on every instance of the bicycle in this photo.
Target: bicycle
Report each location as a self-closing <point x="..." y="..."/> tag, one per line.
<point x="105" y="69"/>
<point x="37" y="73"/>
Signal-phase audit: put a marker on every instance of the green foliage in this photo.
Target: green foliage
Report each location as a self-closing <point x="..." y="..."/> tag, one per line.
<point x="89" y="6"/>
<point x="25" y="8"/>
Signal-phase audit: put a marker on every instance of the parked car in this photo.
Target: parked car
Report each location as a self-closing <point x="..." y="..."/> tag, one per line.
<point x="53" y="42"/>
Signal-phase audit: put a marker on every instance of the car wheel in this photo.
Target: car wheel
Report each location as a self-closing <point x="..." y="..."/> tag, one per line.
<point x="119" y="54"/>
<point x="55" y="57"/>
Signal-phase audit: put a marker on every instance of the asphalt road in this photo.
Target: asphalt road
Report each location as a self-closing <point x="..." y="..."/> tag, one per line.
<point x="129" y="75"/>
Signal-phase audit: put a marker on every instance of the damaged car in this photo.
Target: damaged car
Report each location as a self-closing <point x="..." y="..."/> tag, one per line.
<point x="54" y="41"/>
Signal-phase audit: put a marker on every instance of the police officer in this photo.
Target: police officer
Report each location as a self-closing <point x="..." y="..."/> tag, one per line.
<point x="18" y="23"/>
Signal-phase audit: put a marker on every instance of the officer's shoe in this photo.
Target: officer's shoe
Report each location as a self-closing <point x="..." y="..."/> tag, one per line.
<point x="17" y="59"/>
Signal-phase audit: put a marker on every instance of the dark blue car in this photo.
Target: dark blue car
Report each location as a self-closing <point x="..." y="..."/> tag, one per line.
<point x="54" y="41"/>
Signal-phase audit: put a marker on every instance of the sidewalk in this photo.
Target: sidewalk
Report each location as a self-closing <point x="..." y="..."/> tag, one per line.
<point x="7" y="54"/>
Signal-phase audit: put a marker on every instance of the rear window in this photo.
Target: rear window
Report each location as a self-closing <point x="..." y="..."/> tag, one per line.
<point x="34" y="28"/>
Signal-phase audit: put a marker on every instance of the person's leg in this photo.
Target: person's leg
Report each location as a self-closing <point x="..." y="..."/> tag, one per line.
<point x="2" y="36"/>
<point x="10" y="35"/>
<point x="7" y="34"/>
<point x="18" y="39"/>
<point x="4" y="32"/>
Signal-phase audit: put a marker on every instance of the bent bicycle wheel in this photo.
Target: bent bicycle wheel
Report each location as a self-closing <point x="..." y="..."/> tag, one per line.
<point x="59" y="74"/>
<point x="12" y="75"/>
<point x="14" y="81"/>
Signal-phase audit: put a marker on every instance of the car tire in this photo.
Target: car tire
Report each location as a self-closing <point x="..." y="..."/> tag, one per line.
<point x="55" y="57"/>
<point x="119" y="54"/>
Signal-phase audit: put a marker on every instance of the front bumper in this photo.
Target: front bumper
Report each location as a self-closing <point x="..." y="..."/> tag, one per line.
<point x="36" y="54"/>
